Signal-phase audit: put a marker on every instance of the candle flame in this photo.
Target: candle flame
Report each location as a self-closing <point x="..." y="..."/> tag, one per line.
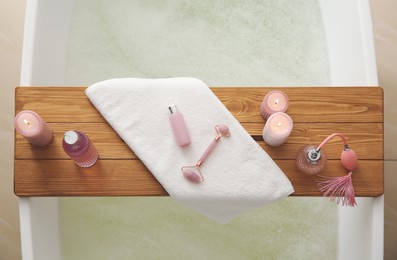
<point x="278" y="124"/>
<point x="276" y="101"/>
<point x="26" y="122"/>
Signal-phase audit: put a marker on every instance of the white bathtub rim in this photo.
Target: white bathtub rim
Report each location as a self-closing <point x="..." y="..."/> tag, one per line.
<point x="340" y="76"/>
<point x="365" y="75"/>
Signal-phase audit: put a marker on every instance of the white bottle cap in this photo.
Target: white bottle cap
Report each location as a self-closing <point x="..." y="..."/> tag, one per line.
<point x="71" y="137"/>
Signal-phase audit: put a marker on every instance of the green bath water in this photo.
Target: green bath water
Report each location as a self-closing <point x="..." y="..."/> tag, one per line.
<point x="159" y="228"/>
<point x="224" y="43"/>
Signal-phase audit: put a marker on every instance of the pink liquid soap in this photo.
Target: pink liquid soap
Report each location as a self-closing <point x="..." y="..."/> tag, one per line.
<point x="79" y="148"/>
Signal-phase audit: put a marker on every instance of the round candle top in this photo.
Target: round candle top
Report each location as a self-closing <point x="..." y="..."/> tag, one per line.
<point x="280" y="124"/>
<point x="274" y="101"/>
<point x="277" y="101"/>
<point x="28" y="123"/>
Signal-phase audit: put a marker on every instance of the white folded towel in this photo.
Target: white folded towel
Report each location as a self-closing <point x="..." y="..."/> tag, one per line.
<point x="239" y="175"/>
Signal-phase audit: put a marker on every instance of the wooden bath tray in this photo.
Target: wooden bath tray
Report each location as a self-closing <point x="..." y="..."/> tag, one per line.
<point x="316" y="112"/>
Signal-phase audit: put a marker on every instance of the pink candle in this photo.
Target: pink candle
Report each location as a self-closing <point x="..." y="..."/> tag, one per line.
<point x="277" y="129"/>
<point x="31" y="126"/>
<point x="274" y="101"/>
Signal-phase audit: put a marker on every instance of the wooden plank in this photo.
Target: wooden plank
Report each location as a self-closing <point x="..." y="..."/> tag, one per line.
<point x="311" y="104"/>
<point x="365" y="138"/>
<point x="64" y="178"/>
<point x="307" y="104"/>
<point x="57" y="104"/>
<point x="317" y="112"/>
<point x="131" y="178"/>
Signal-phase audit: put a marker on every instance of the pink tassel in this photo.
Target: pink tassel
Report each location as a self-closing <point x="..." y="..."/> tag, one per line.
<point x="339" y="189"/>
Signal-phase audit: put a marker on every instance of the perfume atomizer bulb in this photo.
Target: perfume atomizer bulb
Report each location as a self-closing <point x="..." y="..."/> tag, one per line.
<point x="349" y="159"/>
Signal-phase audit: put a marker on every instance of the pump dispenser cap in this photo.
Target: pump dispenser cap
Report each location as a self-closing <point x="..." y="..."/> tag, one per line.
<point x="172" y="106"/>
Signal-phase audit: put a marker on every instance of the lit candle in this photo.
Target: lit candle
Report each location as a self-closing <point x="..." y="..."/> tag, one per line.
<point x="31" y="126"/>
<point x="274" y="101"/>
<point x="277" y="129"/>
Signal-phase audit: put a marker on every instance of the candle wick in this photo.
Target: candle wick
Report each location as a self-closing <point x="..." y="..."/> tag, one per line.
<point x="276" y="101"/>
<point x="278" y="124"/>
<point x="26" y="122"/>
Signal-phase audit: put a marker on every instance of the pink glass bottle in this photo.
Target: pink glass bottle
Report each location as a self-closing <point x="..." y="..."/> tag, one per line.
<point x="79" y="148"/>
<point x="178" y="126"/>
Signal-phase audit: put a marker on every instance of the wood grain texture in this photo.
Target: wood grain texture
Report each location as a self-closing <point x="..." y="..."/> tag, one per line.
<point x="131" y="178"/>
<point x="322" y="104"/>
<point x="104" y="137"/>
<point x="316" y="112"/>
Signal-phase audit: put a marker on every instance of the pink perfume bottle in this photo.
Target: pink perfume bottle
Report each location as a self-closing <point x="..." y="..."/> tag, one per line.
<point x="178" y="126"/>
<point x="79" y="148"/>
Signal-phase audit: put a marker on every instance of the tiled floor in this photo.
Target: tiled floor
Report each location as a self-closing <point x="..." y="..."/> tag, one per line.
<point x="11" y="33"/>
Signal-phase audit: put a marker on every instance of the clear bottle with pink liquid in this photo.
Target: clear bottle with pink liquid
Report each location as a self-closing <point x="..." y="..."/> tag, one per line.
<point x="79" y="148"/>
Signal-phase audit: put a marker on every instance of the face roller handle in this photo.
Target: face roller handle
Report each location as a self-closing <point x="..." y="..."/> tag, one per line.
<point x="222" y="130"/>
<point x="208" y="151"/>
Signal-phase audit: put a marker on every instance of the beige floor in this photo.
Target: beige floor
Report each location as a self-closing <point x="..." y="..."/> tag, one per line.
<point x="11" y="35"/>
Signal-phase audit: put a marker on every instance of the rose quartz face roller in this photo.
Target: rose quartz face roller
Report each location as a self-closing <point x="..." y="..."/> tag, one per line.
<point x="311" y="160"/>
<point x="192" y="172"/>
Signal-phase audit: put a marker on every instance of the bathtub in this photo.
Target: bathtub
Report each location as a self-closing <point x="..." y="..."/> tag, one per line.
<point x="360" y="229"/>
